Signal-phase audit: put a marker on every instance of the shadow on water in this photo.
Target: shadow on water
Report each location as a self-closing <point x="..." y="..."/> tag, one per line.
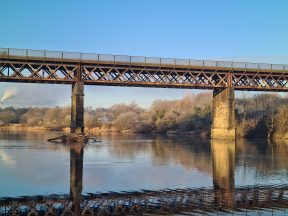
<point x="224" y="198"/>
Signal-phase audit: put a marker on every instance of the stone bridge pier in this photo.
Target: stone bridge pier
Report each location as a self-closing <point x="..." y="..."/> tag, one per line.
<point x="77" y="104"/>
<point x="77" y="108"/>
<point x="223" y="123"/>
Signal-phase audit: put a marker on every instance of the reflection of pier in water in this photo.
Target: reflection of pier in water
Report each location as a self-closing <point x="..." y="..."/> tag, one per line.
<point x="199" y="155"/>
<point x="223" y="197"/>
<point x="76" y="176"/>
<point x="223" y="157"/>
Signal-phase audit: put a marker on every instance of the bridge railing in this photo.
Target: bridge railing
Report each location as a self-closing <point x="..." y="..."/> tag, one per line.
<point x="28" y="54"/>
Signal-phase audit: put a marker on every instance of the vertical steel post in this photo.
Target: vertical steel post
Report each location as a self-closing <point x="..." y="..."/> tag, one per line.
<point x="230" y="79"/>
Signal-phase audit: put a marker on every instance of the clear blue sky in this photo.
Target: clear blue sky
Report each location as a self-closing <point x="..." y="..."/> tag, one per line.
<point x="244" y="30"/>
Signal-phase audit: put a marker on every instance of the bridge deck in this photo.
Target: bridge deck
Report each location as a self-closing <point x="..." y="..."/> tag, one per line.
<point x="20" y="65"/>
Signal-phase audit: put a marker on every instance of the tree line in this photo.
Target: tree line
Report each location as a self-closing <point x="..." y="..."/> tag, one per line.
<point x="259" y="115"/>
<point x="262" y="115"/>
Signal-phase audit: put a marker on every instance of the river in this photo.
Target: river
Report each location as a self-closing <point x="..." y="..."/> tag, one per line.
<point x="29" y="165"/>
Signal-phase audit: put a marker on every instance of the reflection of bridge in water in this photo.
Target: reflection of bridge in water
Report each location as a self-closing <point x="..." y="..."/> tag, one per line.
<point x="222" y="198"/>
<point x="79" y="69"/>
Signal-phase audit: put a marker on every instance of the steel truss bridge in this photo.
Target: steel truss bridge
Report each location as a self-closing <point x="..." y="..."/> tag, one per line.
<point x="38" y="66"/>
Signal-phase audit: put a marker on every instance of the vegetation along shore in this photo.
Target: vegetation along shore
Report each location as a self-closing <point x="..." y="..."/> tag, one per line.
<point x="259" y="115"/>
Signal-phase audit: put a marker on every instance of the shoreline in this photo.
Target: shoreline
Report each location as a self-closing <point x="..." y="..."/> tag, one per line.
<point x="200" y="133"/>
<point x="23" y="128"/>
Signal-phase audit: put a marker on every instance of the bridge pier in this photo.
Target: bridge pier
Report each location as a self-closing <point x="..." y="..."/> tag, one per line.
<point x="77" y="108"/>
<point x="223" y="123"/>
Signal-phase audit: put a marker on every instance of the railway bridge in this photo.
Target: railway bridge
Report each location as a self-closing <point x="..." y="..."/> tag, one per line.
<point x="79" y="69"/>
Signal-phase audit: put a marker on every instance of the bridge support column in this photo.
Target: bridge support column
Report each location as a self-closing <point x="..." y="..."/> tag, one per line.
<point x="77" y="108"/>
<point x="223" y="125"/>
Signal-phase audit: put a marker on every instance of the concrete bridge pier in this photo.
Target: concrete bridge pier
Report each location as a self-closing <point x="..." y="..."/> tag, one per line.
<point x="77" y="108"/>
<point x="223" y="123"/>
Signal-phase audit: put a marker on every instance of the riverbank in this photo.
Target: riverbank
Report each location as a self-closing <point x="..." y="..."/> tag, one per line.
<point x="21" y="127"/>
<point x="198" y="133"/>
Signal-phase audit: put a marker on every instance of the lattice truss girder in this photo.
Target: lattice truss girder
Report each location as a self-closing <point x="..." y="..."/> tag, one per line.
<point x="260" y="81"/>
<point x="34" y="71"/>
<point x="51" y="72"/>
<point x="154" y="76"/>
<point x="199" y="78"/>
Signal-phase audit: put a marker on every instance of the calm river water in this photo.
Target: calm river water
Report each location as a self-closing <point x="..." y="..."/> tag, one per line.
<point x="29" y="165"/>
